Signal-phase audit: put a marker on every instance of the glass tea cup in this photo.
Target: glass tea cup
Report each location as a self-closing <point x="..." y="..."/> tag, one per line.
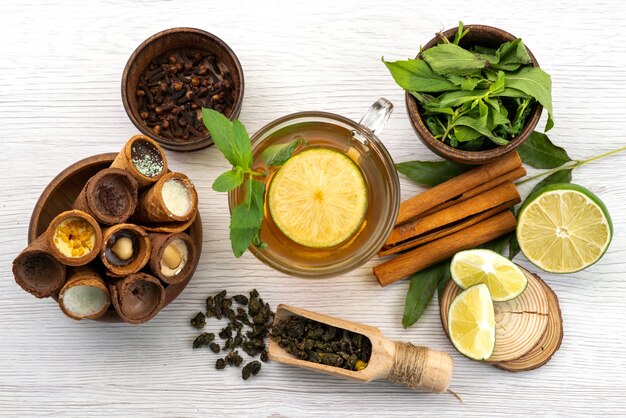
<point x="360" y="143"/>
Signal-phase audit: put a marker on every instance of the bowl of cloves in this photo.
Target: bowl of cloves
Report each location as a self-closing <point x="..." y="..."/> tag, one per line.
<point x="171" y="76"/>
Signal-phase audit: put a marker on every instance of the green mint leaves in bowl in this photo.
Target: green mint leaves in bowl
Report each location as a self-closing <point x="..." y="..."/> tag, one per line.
<point x="474" y="93"/>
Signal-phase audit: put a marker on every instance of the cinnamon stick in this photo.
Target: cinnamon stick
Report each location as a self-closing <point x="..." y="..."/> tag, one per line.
<point x="455" y="187"/>
<point x="505" y="193"/>
<point x="510" y="176"/>
<point x="444" y="248"/>
<point x="431" y="236"/>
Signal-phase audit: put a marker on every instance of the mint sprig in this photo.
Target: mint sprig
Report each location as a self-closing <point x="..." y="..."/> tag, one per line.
<point x="233" y="141"/>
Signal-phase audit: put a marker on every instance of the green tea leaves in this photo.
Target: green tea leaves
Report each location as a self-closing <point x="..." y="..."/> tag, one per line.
<point x="279" y="154"/>
<point x="536" y="83"/>
<point x="497" y="88"/>
<point x="452" y="59"/>
<point x="246" y="218"/>
<point x="539" y="152"/>
<point x="416" y="75"/>
<point x="229" y="180"/>
<point x="421" y="290"/>
<point x="511" y="56"/>
<point x="460" y="33"/>
<point x="476" y="125"/>
<point x="431" y="173"/>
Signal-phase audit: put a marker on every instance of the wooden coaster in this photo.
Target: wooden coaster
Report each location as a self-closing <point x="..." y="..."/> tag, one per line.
<point x="549" y="343"/>
<point x="520" y="323"/>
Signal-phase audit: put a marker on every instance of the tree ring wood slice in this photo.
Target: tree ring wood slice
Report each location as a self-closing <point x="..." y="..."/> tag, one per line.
<point x="549" y="343"/>
<point x="520" y="323"/>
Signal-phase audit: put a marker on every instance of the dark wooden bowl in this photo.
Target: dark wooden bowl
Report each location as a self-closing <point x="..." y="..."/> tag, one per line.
<point x="59" y="196"/>
<point x="478" y="35"/>
<point x="168" y="40"/>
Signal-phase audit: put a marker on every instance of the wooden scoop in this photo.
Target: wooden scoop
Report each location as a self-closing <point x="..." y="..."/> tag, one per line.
<point x="413" y="366"/>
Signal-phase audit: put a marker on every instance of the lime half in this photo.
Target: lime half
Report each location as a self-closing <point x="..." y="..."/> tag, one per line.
<point x="564" y="228"/>
<point x="318" y="198"/>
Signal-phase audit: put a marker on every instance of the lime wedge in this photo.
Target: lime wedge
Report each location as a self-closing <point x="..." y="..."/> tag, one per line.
<point x="318" y="198"/>
<point x="503" y="278"/>
<point x="564" y="228"/>
<point x="472" y="324"/>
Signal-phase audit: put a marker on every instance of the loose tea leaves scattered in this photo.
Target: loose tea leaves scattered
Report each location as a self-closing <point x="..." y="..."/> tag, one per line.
<point x="253" y="313"/>
<point x="324" y="344"/>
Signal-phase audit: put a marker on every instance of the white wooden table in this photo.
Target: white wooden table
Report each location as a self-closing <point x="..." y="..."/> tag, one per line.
<point x="60" y="70"/>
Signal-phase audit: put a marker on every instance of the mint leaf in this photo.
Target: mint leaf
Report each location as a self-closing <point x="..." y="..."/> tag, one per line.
<point x="278" y="154"/>
<point x="460" y="33"/>
<point x="431" y="173"/>
<point x="539" y="152"/>
<point x="246" y="218"/>
<point x="421" y="291"/>
<point x="221" y="130"/>
<point x="536" y="83"/>
<point x="416" y="75"/>
<point x="229" y="180"/>
<point x="512" y="55"/>
<point x="477" y="126"/>
<point x="242" y="149"/>
<point x="452" y="59"/>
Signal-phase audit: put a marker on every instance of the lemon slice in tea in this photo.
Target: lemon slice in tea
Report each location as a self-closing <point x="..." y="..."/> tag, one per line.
<point x="472" y="323"/>
<point x="564" y="228"/>
<point x="318" y="198"/>
<point x="503" y="278"/>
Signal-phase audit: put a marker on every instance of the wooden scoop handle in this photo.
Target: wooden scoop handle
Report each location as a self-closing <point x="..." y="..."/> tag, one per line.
<point x="421" y="368"/>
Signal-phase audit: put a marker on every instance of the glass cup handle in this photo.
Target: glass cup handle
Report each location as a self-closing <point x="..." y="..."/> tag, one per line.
<point x="377" y="116"/>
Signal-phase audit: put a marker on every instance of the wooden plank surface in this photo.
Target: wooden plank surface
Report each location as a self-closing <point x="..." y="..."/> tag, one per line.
<point x="60" y="101"/>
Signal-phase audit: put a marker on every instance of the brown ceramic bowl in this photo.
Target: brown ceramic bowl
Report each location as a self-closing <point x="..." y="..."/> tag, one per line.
<point x="59" y="196"/>
<point x="478" y="35"/>
<point x="168" y="40"/>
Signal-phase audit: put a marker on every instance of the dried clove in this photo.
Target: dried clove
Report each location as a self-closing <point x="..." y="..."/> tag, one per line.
<point x="178" y="82"/>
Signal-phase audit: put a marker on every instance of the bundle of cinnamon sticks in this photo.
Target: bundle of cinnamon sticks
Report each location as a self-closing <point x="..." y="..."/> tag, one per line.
<point x="459" y="214"/>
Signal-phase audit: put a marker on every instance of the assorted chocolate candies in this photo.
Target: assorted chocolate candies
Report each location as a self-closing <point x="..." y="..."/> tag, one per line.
<point x="122" y="243"/>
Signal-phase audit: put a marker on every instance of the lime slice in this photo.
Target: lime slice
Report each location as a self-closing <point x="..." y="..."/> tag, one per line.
<point x="318" y="198"/>
<point x="472" y="324"/>
<point x="564" y="228"/>
<point x="503" y="278"/>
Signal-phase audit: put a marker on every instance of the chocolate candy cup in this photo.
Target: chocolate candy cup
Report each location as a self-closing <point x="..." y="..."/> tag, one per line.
<point x="141" y="258"/>
<point x="73" y="261"/>
<point x="152" y="207"/>
<point x="87" y="277"/>
<point x="110" y="196"/>
<point x="159" y="243"/>
<point x="138" y="297"/>
<point x="37" y="271"/>
<point x="124" y="159"/>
